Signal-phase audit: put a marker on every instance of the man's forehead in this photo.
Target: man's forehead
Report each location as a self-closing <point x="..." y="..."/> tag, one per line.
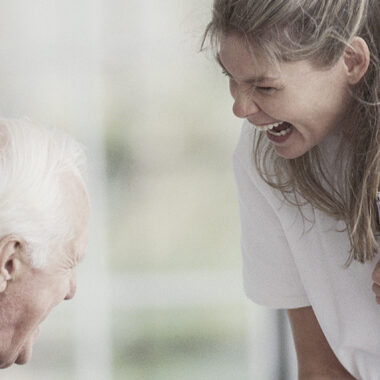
<point x="82" y="246"/>
<point x="79" y="245"/>
<point x="75" y="198"/>
<point x="78" y="209"/>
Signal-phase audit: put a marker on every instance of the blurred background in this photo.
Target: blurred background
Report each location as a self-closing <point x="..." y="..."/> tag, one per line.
<point x="160" y="294"/>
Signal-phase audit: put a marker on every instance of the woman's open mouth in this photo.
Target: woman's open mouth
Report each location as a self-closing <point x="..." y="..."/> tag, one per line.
<point x="276" y="132"/>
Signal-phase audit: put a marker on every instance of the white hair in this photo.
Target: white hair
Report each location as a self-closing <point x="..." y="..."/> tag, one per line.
<point x="32" y="161"/>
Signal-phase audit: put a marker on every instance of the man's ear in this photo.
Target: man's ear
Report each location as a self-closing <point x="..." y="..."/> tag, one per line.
<point x="11" y="252"/>
<point x="356" y="59"/>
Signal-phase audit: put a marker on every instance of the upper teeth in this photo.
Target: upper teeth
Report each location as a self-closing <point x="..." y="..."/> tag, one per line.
<point x="265" y="128"/>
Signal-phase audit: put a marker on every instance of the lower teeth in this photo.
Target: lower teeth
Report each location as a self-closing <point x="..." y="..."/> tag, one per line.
<point x="282" y="133"/>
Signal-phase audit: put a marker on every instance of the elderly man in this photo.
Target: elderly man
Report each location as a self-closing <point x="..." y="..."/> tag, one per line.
<point x="44" y="212"/>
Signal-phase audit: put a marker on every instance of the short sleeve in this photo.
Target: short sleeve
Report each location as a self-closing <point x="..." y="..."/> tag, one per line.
<point x="269" y="272"/>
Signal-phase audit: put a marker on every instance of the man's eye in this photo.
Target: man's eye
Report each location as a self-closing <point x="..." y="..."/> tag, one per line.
<point x="266" y="89"/>
<point x="224" y="72"/>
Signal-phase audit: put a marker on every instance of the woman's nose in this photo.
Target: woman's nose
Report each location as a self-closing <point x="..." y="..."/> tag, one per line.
<point x="244" y="105"/>
<point x="72" y="287"/>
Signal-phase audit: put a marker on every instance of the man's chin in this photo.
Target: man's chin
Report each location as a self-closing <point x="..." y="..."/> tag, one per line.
<point x="22" y="358"/>
<point x="25" y="355"/>
<point x="26" y="352"/>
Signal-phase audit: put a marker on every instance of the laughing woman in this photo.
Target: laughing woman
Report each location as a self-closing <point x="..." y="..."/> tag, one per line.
<point x="305" y="77"/>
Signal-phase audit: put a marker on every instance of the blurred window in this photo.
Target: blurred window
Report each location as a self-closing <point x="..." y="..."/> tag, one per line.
<point x="159" y="293"/>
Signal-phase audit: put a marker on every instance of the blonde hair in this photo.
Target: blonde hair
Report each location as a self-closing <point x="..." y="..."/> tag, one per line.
<point x="319" y="31"/>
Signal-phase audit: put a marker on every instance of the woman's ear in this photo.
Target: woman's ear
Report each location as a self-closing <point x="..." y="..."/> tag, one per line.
<point x="356" y="59"/>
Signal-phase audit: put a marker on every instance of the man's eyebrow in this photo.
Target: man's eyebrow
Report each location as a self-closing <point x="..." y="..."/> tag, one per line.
<point x="251" y="80"/>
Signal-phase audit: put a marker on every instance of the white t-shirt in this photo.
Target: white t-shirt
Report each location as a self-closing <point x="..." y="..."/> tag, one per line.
<point x="287" y="264"/>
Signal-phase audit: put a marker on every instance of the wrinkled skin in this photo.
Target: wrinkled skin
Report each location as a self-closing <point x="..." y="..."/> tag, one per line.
<point x="31" y="293"/>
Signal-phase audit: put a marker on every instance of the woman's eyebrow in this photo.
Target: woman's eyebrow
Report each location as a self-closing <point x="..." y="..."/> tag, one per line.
<point x="251" y="80"/>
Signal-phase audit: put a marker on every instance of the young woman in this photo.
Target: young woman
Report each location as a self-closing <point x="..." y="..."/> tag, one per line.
<point x="305" y="76"/>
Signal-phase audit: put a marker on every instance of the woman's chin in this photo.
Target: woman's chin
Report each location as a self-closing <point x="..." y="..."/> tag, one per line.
<point x="289" y="153"/>
<point x="294" y="149"/>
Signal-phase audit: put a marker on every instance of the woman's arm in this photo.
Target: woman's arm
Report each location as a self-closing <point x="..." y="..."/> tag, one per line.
<point x="316" y="360"/>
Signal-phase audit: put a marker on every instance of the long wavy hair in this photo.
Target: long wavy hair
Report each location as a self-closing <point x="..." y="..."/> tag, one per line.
<point x="319" y="31"/>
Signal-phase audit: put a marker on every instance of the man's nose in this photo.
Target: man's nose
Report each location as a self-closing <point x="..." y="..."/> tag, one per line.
<point x="244" y="104"/>
<point x="72" y="287"/>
